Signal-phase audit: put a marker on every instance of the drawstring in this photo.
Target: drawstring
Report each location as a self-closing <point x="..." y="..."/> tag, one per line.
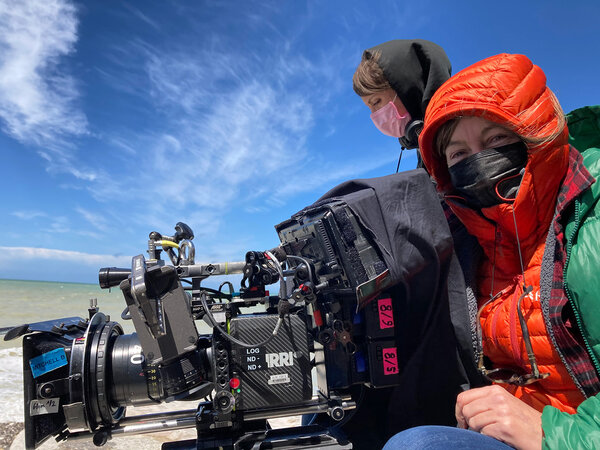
<point x="526" y="289"/>
<point x="535" y="372"/>
<point x="492" y="296"/>
<point x="519" y="249"/>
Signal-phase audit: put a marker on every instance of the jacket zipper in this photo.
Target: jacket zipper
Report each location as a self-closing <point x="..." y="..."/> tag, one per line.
<point x="568" y="291"/>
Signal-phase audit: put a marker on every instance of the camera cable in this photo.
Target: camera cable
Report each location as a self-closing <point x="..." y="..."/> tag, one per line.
<point x="284" y="307"/>
<point x="231" y="338"/>
<point x="277" y="264"/>
<point x="305" y="262"/>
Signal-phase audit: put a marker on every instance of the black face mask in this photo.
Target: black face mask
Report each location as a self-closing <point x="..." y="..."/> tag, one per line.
<point x="491" y="176"/>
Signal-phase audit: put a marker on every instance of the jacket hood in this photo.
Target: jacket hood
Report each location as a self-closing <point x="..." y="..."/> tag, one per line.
<point x="507" y="89"/>
<point x="415" y="68"/>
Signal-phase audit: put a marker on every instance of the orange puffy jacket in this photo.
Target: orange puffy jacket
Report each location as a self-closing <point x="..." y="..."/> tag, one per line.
<point x="510" y="90"/>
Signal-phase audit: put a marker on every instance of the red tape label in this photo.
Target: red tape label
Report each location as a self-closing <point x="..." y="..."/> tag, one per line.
<point x="390" y="361"/>
<point x="386" y="313"/>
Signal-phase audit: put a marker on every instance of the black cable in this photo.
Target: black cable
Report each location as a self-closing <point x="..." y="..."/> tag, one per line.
<point x="216" y="294"/>
<point x="230" y="288"/>
<point x="310" y="274"/>
<point x="231" y="338"/>
<point x="399" y="159"/>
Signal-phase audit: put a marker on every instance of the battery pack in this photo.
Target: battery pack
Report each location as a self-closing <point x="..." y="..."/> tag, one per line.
<point x="277" y="373"/>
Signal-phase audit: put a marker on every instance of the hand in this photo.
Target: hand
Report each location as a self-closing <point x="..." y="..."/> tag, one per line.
<point x="492" y="411"/>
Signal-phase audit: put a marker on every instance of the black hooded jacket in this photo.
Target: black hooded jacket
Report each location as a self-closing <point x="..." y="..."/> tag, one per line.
<point x="415" y="68"/>
<point x="401" y="215"/>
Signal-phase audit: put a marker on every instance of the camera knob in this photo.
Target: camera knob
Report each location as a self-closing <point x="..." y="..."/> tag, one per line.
<point x="325" y="337"/>
<point x="46" y="390"/>
<point x="224" y="401"/>
<point x="336" y="413"/>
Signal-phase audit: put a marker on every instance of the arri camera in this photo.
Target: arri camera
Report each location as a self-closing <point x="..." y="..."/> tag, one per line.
<point x="334" y="322"/>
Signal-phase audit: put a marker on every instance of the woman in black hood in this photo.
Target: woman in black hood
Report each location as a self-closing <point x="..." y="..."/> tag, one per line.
<point x="396" y="80"/>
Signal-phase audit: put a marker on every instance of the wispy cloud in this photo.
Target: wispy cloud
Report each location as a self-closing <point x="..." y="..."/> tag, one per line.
<point x="59" y="224"/>
<point x="237" y="126"/>
<point x="220" y="128"/>
<point x="143" y="17"/>
<point x="98" y="221"/>
<point x="28" y="215"/>
<point x="37" y="96"/>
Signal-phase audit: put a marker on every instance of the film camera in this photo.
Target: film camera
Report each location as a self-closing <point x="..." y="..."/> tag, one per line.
<point x="336" y="322"/>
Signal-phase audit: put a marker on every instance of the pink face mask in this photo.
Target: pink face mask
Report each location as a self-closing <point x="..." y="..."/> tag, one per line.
<point x="389" y="121"/>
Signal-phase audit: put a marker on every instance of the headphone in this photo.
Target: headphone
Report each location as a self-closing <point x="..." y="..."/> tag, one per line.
<point x="410" y="139"/>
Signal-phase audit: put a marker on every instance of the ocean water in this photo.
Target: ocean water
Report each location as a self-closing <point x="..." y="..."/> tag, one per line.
<point x="35" y="301"/>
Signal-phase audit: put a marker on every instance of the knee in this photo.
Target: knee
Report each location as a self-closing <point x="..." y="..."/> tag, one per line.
<point x="430" y="437"/>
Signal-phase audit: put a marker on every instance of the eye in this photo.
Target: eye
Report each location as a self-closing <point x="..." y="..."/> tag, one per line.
<point x="500" y="137"/>
<point x="456" y="155"/>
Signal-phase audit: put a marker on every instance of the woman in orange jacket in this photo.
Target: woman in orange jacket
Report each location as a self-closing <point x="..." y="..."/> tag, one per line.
<point x="496" y="142"/>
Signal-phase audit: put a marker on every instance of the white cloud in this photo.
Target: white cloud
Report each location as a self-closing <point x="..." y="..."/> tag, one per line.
<point x="59" y="224"/>
<point x="224" y="130"/>
<point x="233" y="136"/>
<point x="24" y="254"/>
<point x="28" y="215"/>
<point x="217" y="145"/>
<point x="96" y="220"/>
<point x="37" y="97"/>
<point x="143" y="17"/>
<point x="184" y="81"/>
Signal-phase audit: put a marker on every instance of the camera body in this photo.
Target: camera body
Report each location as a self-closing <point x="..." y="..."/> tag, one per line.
<point x="333" y="321"/>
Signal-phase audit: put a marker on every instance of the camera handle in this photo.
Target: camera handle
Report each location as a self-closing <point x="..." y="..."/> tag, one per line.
<point x="181" y="240"/>
<point x="154" y="319"/>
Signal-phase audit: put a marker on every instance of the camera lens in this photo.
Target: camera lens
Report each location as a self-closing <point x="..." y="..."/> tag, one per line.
<point x="129" y="383"/>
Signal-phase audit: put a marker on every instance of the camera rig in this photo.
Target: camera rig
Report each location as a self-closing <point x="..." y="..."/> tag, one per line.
<point x="368" y="286"/>
<point x="330" y="321"/>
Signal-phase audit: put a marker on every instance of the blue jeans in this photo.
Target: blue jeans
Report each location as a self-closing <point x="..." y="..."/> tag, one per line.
<point x="442" y="438"/>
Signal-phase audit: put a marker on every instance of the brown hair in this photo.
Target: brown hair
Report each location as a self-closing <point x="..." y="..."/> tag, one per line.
<point x="443" y="136"/>
<point x="369" y="78"/>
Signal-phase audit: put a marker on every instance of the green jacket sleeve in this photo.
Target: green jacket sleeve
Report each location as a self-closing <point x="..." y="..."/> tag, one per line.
<point x="582" y="231"/>
<point x="564" y="431"/>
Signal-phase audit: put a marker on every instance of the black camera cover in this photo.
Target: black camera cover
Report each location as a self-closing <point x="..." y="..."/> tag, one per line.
<point x="403" y="217"/>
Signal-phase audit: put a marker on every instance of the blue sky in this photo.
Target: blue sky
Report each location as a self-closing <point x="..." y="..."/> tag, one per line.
<point x="120" y="118"/>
